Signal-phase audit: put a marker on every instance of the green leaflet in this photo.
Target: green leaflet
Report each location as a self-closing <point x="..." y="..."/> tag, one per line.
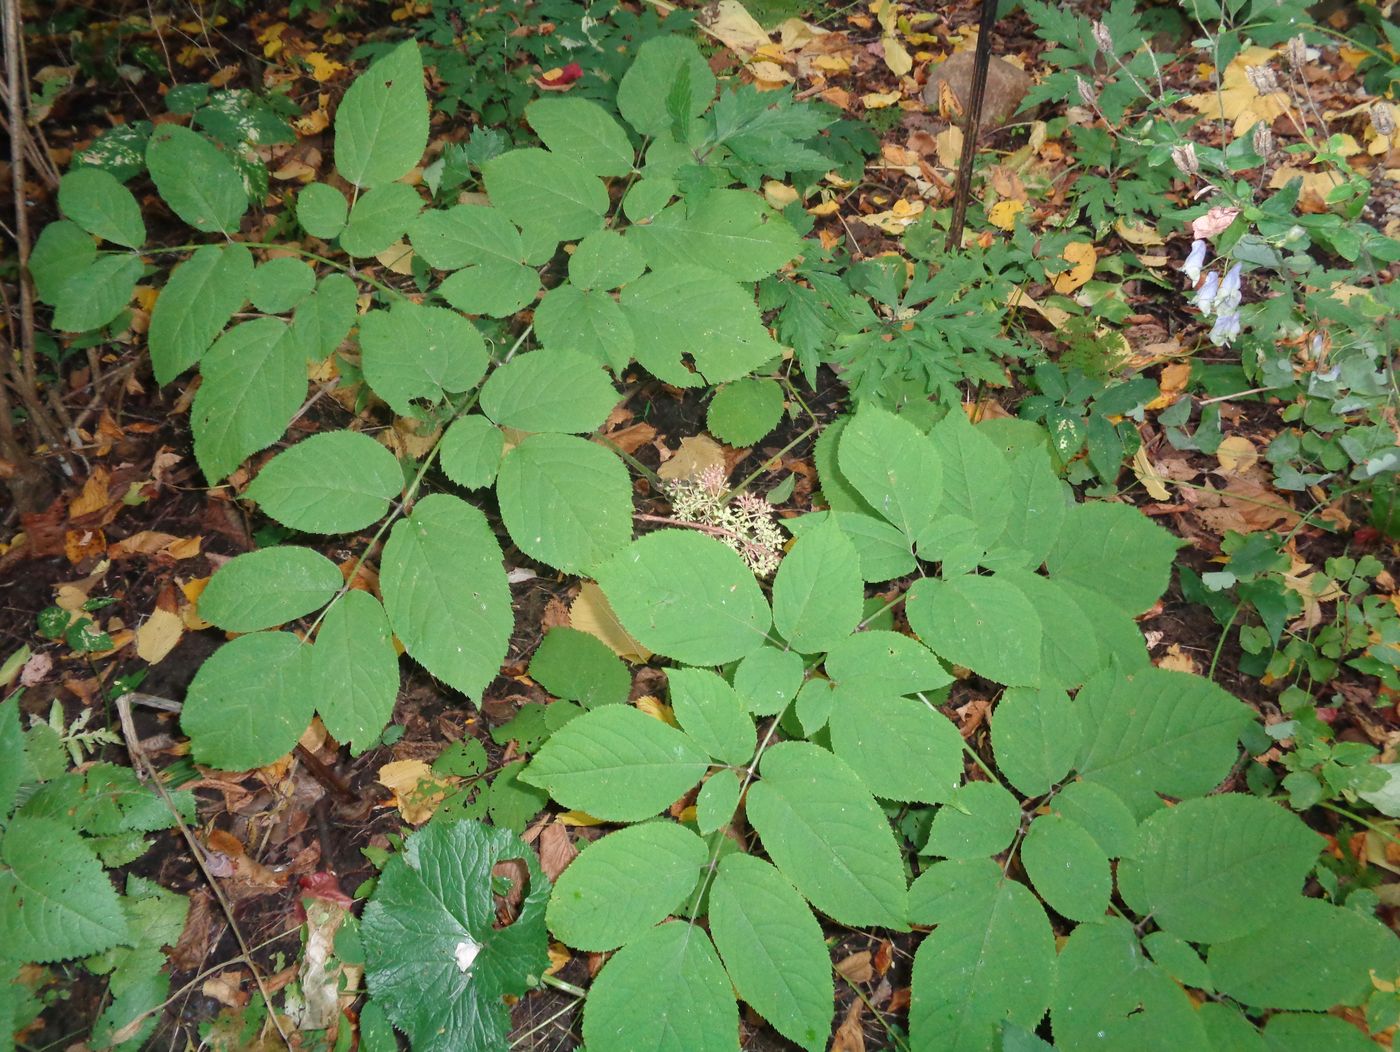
<point x="1035" y="515"/>
<point x="718" y="798"/>
<point x="1115" y="550"/>
<point x="14" y="767"/>
<point x="983" y="623"/>
<point x="356" y="670"/>
<point x="379" y="218"/>
<point x="981" y="818"/>
<point x="470" y="452"/>
<point x="575" y="665"/>
<point x="446" y="592"/>
<point x="434" y="959"/>
<point x="617" y="764"/>
<point x="566" y="501"/>
<point x="1102" y="813"/>
<point x="743" y="412"/>
<point x="197" y="180"/>
<point x="496" y="288"/>
<point x="549" y="390"/>
<point x="768" y="679"/>
<point x="1067" y="867"/>
<point x="95" y="295"/>
<point x="664" y="66"/>
<point x="877" y="662"/>
<point x="102" y="206"/>
<point x="381" y="126"/>
<point x="773" y="949"/>
<point x="687" y="596"/>
<point x="254" y="380"/>
<point x="902" y="749"/>
<point x="632" y="1004"/>
<point x="335" y="482"/>
<point x="249" y="702"/>
<point x="731" y="232"/>
<point x="62" y="250"/>
<point x="203" y="293"/>
<point x="55" y="900"/>
<point x="1069" y="648"/>
<point x="590" y="322"/>
<point x="711" y="712"/>
<point x="322" y="210"/>
<point x="818" y="594"/>
<point x="456" y="237"/>
<point x="411" y="352"/>
<point x="280" y="284"/>
<point x="553" y="193"/>
<point x="269" y="587"/>
<point x="884" y="552"/>
<point x="823" y="829"/>
<point x="976" y="477"/>
<point x="604" y="260"/>
<point x="890" y="463"/>
<point x="1036" y="736"/>
<point x="583" y="130"/>
<point x="624" y="884"/>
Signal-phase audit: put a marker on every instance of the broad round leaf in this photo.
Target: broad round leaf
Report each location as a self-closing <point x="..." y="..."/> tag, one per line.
<point x="322" y="210"/>
<point x="470" y="453"/>
<point x="324" y="319"/>
<point x="1117" y="551"/>
<point x="566" y="501"/>
<point x="893" y="466"/>
<point x="710" y="711"/>
<point x="624" y="884"/>
<point x="876" y="662"/>
<point x="446" y="592"/>
<point x="97" y="202"/>
<point x="62" y="250"/>
<point x="381" y="126"/>
<point x="268" y="587"/>
<point x="379" y="218"/>
<point x="197" y="179"/>
<point x="980" y="622"/>
<point x="413" y="352"/>
<point x="902" y="749"/>
<point x="575" y="665"/>
<point x="451" y="238"/>
<point x="249" y="702"/>
<point x="203" y="293"/>
<point x="773" y="949"/>
<point x="1036" y="737"/>
<point x="824" y="830"/>
<point x="549" y="390"/>
<point x="280" y="284"/>
<point x="730" y="232"/>
<point x="356" y="671"/>
<point x="583" y="130"/>
<point x="618" y="764"/>
<point x="590" y="322"/>
<point x="743" y="412"/>
<point x="550" y="191"/>
<point x="768" y="679"/>
<point x="980" y="819"/>
<point x="95" y="295"/>
<point x="335" y="482"/>
<point x="497" y="288"/>
<point x="435" y="960"/>
<point x="664" y="66"/>
<point x="604" y="260"/>
<point x="1067" y="868"/>
<point x="686" y="595"/>
<point x="633" y="1003"/>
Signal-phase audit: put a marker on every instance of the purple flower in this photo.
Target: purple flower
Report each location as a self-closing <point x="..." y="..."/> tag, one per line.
<point x="1228" y="297"/>
<point x="1195" y="261"/>
<point x="1205" y="296"/>
<point x="1226" y="327"/>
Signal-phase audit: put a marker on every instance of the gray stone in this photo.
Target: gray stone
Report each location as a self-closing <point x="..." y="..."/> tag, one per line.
<point x="1007" y="86"/>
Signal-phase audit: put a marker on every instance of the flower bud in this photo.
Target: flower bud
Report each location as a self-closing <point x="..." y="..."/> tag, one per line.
<point x="1297" y="52"/>
<point x="1262" y="140"/>
<point x="1184" y="157"/>
<point x="1383" y="118"/>
<point x="1103" y="38"/>
<point x="1087" y="94"/>
<point x="1264" y="80"/>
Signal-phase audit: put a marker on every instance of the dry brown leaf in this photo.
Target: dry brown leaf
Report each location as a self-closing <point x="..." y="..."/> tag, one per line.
<point x="698" y="454"/>
<point x="857" y="968"/>
<point x="417" y="791"/>
<point x="556" y="850"/>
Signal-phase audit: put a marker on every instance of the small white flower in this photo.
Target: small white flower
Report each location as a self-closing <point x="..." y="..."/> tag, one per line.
<point x="1205" y="296"/>
<point x="1195" y="261"/>
<point x="1226" y="327"/>
<point x="1228" y="298"/>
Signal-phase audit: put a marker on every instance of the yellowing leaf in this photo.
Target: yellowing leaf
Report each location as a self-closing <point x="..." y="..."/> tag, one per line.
<point x="731" y="24"/>
<point x="879" y="100"/>
<point x="1084" y="257"/>
<point x="1137" y="232"/>
<point x="322" y="68"/>
<point x="158" y="635"/>
<point x="1238" y="99"/>
<point x="697" y="454"/>
<point x="1148" y="475"/>
<point x="779" y="195"/>
<point x="1236" y="455"/>
<point x="656" y="709"/>
<point x="417" y="791"/>
<point x="825" y="208"/>
<point x="592" y="613"/>
<point x="1003" y="214"/>
<point x="949" y="143"/>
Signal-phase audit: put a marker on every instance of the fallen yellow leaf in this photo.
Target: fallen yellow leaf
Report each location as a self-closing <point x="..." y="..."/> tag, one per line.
<point x="1236" y="455"/>
<point x="1084" y="257"/>
<point x="879" y="100"/>
<point x="1003" y="214"/>
<point x="1148" y="475"/>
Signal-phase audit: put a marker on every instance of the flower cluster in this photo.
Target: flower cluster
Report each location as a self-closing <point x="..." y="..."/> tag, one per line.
<point x="745" y="524"/>
<point x="1216" y="296"/>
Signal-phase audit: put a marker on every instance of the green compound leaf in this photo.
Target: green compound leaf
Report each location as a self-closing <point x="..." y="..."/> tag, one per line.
<point x="665" y="65"/>
<point x="1036" y="737"/>
<point x="249" y="702"/>
<point x="1218" y="868"/>
<point x="412" y="352"/>
<point x="434" y="958"/>
<point x="891" y="465"/>
<point x="379" y="218"/>
<point x="718" y="798"/>
<point x="876" y="662"/>
<point x="901" y="749"/>
<point x="647" y="197"/>
<point x="687" y="596"/>
<point x="1069" y="648"/>
<point x="617" y="764"/>
<point x="624" y="884"/>
<point x="1103" y="813"/>
<point x="381" y="127"/>
<point x="743" y="412"/>
<point x="550" y="192"/>
<point x="976" y="476"/>
<point x="62" y="250"/>
<point x="325" y="317"/>
<point x="590" y="322"/>
<point x="197" y="179"/>
<point x="254" y="379"/>
<point x="983" y="623"/>
<point x="280" y="284"/>
<point x="1109" y="995"/>
<point x="470" y="453"/>
<point x="980" y="819"/>
<point x="549" y="390"/>
<point x="883" y="550"/>
<point x="356" y="670"/>
<point x="322" y="210"/>
<point x="97" y="202"/>
<point x="685" y="312"/>
<point x="496" y="288"/>
<point x="575" y="665"/>
<point x="731" y="232"/>
<point x="1312" y="955"/>
<point x="1179" y="959"/>
<point x="824" y="830"/>
<point x="1155" y="731"/>
<point x="768" y="679"/>
<point x="605" y="260"/>
<point x="566" y="501"/>
<point x="1115" y="550"/>
<point x="818" y="594"/>
<point x="583" y="130"/>
<point x="711" y="712"/>
<point x="773" y="949"/>
<point x="446" y="592"/>
<point x="335" y="482"/>
<point x="990" y="962"/>
<point x="1067" y="868"/>
<point x="632" y="1004"/>
<point x="96" y="294"/>
<point x="56" y="901"/>
<point x="268" y="587"/>
<point x="456" y="237"/>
